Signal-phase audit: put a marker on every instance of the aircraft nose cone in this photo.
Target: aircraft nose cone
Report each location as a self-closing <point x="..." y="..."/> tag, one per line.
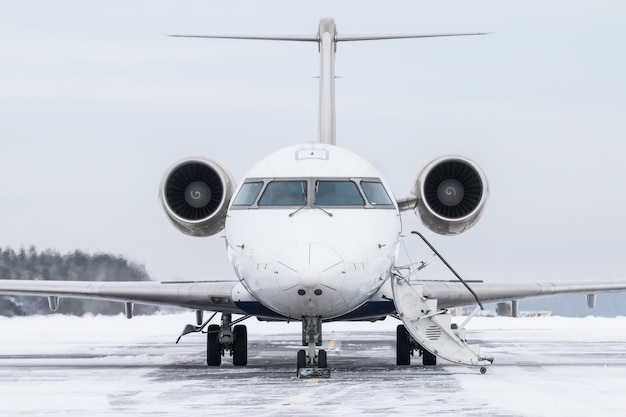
<point x="305" y="279"/>
<point x="308" y="266"/>
<point x="310" y="277"/>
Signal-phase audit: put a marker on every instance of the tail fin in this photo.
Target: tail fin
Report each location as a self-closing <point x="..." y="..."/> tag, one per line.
<point x="327" y="39"/>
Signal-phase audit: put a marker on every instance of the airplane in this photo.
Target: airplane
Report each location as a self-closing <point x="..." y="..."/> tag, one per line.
<point x="313" y="233"/>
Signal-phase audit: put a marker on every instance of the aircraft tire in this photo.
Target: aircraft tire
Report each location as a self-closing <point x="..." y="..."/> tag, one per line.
<point x="213" y="347"/>
<point x="403" y="346"/>
<point x="301" y="359"/>
<point x="240" y="345"/>
<point x="322" y="360"/>
<point x="428" y="359"/>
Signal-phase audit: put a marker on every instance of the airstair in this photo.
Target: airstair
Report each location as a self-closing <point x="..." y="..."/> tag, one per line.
<point x="431" y="327"/>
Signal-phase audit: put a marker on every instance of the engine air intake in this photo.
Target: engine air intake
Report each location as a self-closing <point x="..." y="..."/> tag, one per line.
<point x="453" y="189"/>
<point x="450" y="193"/>
<point x="194" y="191"/>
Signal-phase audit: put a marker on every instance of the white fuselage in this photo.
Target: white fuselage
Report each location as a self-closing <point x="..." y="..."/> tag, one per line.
<point x="318" y="256"/>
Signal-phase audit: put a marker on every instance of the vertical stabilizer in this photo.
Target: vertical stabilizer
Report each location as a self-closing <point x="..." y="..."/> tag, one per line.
<point x="327" y="36"/>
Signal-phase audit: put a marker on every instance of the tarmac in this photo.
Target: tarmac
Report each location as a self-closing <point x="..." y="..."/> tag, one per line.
<point x="545" y="366"/>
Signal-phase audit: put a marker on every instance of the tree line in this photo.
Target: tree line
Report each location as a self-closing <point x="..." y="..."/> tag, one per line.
<point x="30" y="264"/>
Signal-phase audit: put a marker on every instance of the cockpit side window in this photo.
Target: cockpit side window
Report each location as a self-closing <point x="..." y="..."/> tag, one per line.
<point x="284" y="193"/>
<point x="248" y="193"/>
<point x="337" y="193"/>
<point x="375" y="193"/>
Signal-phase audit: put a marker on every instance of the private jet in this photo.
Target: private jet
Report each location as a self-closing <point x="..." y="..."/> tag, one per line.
<point x="313" y="233"/>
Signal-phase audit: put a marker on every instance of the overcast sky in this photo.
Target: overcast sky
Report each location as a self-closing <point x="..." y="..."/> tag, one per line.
<point x="95" y="104"/>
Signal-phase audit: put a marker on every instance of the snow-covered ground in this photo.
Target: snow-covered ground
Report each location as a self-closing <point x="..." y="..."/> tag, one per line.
<point x="544" y="366"/>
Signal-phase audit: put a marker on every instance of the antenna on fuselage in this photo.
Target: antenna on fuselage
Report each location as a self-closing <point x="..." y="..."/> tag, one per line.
<point x="327" y="39"/>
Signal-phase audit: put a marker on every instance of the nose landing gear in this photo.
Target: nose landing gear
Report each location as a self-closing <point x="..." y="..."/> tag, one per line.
<point x="312" y="364"/>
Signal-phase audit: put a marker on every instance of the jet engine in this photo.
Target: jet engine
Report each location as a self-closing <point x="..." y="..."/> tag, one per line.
<point x="451" y="194"/>
<point x="195" y="193"/>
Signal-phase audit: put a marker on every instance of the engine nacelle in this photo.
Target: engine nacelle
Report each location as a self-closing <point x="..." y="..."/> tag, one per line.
<point x="451" y="194"/>
<point x="195" y="193"/>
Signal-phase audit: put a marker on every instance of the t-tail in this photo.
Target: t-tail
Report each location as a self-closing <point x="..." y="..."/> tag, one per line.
<point x="327" y="39"/>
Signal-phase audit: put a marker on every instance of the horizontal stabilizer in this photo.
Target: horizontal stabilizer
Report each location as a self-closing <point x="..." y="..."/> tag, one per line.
<point x="338" y="38"/>
<point x="352" y="38"/>
<point x="253" y="37"/>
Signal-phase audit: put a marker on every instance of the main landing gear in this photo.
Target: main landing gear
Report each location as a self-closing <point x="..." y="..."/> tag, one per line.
<point x="225" y="337"/>
<point x="406" y="346"/>
<point x="221" y="338"/>
<point x="310" y="364"/>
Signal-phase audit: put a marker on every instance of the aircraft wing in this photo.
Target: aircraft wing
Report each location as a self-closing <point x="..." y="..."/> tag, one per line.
<point x="218" y="295"/>
<point x="198" y="295"/>
<point x="453" y="294"/>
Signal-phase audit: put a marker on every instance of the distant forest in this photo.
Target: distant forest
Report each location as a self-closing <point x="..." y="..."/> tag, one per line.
<point x="77" y="266"/>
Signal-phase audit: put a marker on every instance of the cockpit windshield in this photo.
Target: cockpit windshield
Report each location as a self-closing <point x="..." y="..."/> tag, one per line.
<point x="284" y="193"/>
<point x="309" y="192"/>
<point x="338" y="193"/>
